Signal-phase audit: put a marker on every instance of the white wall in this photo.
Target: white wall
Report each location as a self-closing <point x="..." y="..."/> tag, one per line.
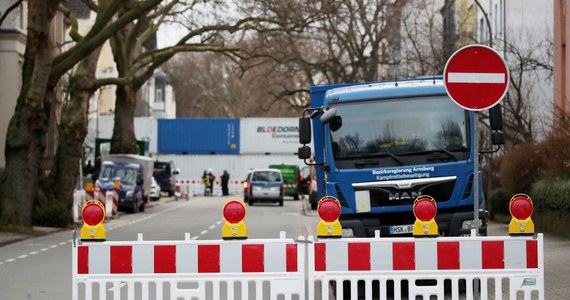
<point x="192" y="168"/>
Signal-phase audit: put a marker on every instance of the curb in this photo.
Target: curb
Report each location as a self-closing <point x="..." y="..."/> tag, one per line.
<point x="10" y="237"/>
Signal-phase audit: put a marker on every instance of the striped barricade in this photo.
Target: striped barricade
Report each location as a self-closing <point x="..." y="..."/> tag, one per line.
<point x="189" y="269"/>
<point x="439" y="268"/>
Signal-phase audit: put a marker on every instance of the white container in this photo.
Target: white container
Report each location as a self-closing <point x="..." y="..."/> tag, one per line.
<point x="269" y="135"/>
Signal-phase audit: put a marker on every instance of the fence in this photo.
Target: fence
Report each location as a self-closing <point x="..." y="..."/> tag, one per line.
<point x="189" y="269"/>
<point x="373" y="268"/>
<point x="441" y="268"/>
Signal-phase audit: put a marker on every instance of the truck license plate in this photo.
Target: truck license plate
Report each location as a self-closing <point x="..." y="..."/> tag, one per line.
<point x="401" y="229"/>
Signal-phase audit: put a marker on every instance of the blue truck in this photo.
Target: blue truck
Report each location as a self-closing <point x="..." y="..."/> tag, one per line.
<point x="380" y="145"/>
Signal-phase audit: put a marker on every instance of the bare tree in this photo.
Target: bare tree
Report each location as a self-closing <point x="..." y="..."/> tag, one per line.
<point x="326" y="42"/>
<point x="41" y="72"/>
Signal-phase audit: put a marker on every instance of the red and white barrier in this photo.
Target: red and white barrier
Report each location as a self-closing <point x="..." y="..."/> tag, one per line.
<point x="365" y="268"/>
<point x="370" y="266"/>
<point x="115" y="209"/>
<point x="195" y="187"/>
<point x="79" y="198"/>
<point x="90" y="194"/>
<point x="210" y="268"/>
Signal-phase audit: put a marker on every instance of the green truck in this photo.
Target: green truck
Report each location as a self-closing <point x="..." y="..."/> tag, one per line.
<point x="291" y="178"/>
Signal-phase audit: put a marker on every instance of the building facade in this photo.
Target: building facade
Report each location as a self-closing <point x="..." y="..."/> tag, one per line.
<point x="12" y="48"/>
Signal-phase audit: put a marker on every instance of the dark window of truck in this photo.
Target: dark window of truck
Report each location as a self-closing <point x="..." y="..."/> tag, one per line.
<point x="392" y="132"/>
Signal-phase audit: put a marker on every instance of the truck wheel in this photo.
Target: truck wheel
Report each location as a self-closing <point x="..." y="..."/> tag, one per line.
<point x="134" y="208"/>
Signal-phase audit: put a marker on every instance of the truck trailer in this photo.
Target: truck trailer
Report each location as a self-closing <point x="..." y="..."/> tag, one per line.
<point x="378" y="146"/>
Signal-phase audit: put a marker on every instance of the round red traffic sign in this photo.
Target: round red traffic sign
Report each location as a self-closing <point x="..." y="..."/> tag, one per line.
<point x="476" y="77"/>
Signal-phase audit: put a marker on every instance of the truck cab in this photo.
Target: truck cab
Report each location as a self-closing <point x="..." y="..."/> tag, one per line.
<point x="379" y="146"/>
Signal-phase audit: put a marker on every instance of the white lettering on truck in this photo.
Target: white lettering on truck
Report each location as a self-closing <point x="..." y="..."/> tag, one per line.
<point x="403" y="173"/>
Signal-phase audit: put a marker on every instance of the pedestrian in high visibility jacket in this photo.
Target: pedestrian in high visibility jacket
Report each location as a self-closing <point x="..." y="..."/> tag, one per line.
<point x="207" y="180"/>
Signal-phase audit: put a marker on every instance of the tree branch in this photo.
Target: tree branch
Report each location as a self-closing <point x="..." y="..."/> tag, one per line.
<point x="73" y="33"/>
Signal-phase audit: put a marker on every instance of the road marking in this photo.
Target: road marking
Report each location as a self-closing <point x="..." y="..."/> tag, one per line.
<point x="113" y="228"/>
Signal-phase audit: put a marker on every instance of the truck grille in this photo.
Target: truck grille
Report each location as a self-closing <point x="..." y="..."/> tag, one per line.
<point x="392" y="193"/>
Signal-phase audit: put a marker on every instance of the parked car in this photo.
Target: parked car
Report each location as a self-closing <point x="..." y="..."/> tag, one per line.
<point x="154" y="194"/>
<point x="165" y="174"/>
<point x="264" y="185"/>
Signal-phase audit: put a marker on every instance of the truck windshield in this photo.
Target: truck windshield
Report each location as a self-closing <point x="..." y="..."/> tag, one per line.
<point x="115" y="173"/>
<point x="396" y="132"/>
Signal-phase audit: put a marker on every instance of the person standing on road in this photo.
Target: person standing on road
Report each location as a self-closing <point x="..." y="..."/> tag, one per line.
<point x="212" y="179"/>
<point x="207" y="183"/>
<point x="225" y="181"/>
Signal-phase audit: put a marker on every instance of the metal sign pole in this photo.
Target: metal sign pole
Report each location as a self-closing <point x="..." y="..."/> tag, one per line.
<point x="476" y="223"/>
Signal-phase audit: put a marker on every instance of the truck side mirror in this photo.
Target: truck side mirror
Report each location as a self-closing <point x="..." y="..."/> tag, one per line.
<point x="496" y="117"/>
<point x="304" y="152"/>
<point x="497" y="138"/>
<point x="304" y="130"/>
<point x="328" y="115"/>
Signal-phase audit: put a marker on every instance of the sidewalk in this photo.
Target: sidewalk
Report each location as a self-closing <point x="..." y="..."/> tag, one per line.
<point x="11" y="237"/>
<point x="7" y="238"/>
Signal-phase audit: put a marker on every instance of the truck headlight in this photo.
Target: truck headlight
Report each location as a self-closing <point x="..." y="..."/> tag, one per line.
<point x="129" y="194"/>
<point x="467" y="224"/>
<point x="347" y="232"/>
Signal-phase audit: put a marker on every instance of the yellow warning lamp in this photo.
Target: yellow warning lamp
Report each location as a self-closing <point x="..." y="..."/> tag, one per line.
<point x="117" y="184"/>
<point x="329" y="212"/>
<point x="521" y="208"/>
<point x="425" y="210"/>
<point x="93" y="215"/>
<point x="89" y="187"/>
<point x="234" y="214"/>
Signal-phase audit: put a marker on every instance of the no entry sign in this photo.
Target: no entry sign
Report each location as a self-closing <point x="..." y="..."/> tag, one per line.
<point x="476" y="77"/>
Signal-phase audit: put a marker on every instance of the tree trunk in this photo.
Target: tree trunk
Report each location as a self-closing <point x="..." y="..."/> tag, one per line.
<point x="73" y="130"/>
<point x="28" y="126"/>
<point x="124" y="52"/>
<point x="124" y="139"/>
